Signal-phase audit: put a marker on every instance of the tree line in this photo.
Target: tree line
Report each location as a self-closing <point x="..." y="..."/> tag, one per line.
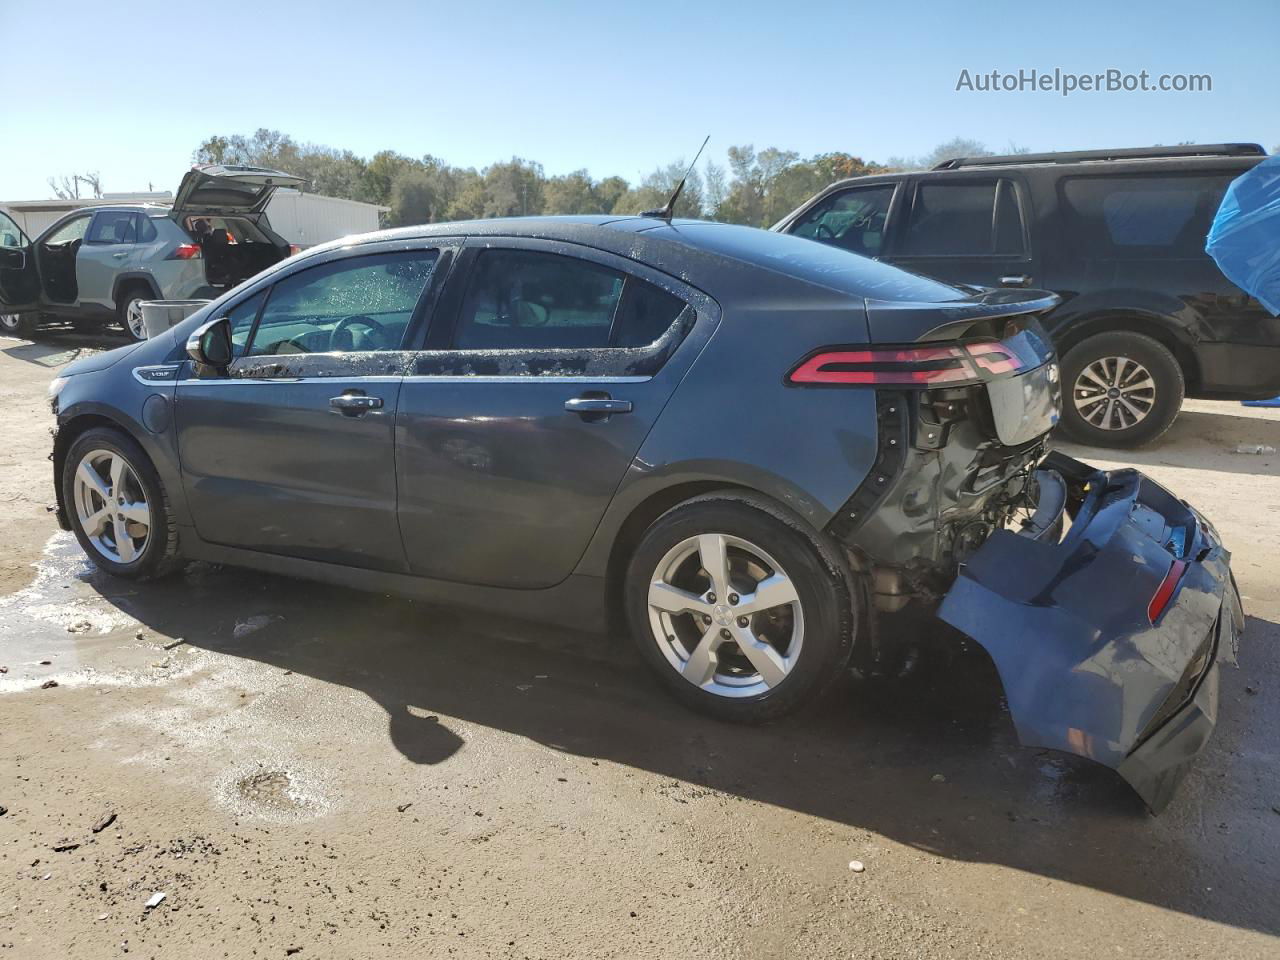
<point x="758" y="187"/>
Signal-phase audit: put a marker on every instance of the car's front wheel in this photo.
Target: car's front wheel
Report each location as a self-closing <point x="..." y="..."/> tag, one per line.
<point x="117" y="505"/>
<point x="742" y="611"/>
<point x="1123" y="389"/>
<point x="14" y="324"/>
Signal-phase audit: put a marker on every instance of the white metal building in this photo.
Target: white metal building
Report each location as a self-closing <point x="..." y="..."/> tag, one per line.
<point x="301" y="218"/>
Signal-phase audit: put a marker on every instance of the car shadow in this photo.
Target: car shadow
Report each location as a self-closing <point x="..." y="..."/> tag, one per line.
<point x="56" y="345"/>
<point x="927" y="758"/>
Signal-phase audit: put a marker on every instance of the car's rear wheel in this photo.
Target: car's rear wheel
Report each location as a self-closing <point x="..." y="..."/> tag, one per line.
<point x="129" y="310"/>
<point x="117" y="506"/>
<point x="1123" y="389"/>
<point x="742" y="611"/>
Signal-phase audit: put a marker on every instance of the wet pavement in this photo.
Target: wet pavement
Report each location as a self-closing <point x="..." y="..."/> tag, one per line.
<point x="928" y="760"/>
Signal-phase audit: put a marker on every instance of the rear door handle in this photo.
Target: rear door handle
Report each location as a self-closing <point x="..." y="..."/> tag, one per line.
<point x="354" y="404"/>
<point x="120" y="256"/>
<point x="597" y="408"/>
<point x="1017" y="280"/>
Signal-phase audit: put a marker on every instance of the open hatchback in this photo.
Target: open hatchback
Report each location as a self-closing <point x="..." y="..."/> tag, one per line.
<point x="223" y="209"/>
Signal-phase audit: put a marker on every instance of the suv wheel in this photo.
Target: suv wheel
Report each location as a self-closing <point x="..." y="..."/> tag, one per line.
<point x="129" y="311"/>
<point x="1123" y="389"/>
<point x="14" y="324"/>
<point x="741" y="611"/>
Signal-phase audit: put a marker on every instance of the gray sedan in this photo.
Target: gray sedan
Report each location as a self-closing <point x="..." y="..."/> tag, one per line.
<point x="749" y="448"/>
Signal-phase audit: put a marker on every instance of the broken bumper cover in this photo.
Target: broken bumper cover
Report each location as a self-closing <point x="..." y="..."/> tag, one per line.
<point x="1107" y="641"/>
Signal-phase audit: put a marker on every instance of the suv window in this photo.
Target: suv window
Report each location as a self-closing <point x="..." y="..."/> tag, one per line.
<point x="73" y="230"/>
<point x="852" y="219"/>
<point x="962" y="219"/>
<point x="113" y="227"/>
<point x="528" y="300"/>
<point x="11" y="234"/>
<point x="1135" y="217"/>
<point x="359" y="304"/>
<point x="146" y="229"/>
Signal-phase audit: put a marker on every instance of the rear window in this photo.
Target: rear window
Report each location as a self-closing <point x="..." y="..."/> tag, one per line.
<point x="1141" y="217"/>
<point x="817" y="263"/>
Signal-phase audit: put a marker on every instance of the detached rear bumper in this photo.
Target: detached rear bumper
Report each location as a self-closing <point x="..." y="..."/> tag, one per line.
<point x="1108" y="640"/>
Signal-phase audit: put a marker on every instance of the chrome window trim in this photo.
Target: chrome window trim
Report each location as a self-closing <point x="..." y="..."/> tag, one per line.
<point x="452" y="378"/>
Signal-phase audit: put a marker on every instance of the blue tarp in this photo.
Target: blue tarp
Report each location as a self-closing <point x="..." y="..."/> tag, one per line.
<point x="1245" y="237"/>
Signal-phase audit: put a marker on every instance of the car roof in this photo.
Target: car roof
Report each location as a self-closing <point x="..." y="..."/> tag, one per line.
<point x="726" y="261"/>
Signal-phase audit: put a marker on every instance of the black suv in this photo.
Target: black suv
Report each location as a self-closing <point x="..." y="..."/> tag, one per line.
<point x="1146" y="316"/>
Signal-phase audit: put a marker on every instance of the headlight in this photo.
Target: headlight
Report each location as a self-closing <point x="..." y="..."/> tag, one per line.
<point x="55" y="387"/>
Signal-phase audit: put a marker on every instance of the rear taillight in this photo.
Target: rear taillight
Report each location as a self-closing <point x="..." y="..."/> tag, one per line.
<point x="1164" y="593"/>
<point x="294" y="248"/>
<point x="918" y="366"/>
<point x="186" y="251"/>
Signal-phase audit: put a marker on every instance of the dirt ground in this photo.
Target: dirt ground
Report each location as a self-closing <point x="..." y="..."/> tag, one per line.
<point x="312" y="772"/>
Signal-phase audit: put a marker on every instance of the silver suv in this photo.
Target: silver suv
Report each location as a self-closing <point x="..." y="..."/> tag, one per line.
<point x="100" y="263"/>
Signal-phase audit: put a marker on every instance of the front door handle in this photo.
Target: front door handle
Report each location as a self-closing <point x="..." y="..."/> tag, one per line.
<point x="1016" y="280"/>
<point x="120" y="256"/>
<point x="594" y="408"/>
<point x="353" y="403"/>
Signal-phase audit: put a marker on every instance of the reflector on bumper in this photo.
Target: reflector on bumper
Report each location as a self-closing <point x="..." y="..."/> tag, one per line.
<point x="1084" y="669"/>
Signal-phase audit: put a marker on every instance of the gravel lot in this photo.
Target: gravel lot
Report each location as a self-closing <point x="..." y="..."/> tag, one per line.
<point x="314" y="772"/>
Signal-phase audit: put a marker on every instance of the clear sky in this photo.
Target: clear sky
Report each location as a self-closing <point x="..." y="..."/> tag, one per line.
<point x="129" y="89"/>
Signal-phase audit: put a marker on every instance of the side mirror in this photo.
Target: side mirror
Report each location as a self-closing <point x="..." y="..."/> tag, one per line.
<point x="210" y="344"/>
<point x="13" y="258"/>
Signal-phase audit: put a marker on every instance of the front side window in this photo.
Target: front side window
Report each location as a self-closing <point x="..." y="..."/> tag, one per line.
<point x="963" y="219"/>
<point x="242" y="316"/>
<point x="1128" y="217"/>
<point x="853" y="220"/>
<point x="357" y="305"/>
<point x="113" y="227"/>
<point x="72" y="230"/>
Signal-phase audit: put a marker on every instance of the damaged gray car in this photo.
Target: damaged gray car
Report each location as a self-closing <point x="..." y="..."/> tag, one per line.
<point x="747" y="447"/>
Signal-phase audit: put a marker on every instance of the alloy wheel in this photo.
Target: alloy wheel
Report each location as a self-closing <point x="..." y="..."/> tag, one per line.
<point x="111" y="506"/>
<point x="725" y="615"/>
<point x="133" y="319"/>
<point x="9" y="322"/>
<point x="1114" y="393"/>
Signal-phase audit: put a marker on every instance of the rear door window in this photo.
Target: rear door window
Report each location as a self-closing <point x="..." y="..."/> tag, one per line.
<point x="530" y="300"/>
<point x="1131" y="217"/>
<point x="113" y="227"/>
<point x="966" y="218"/>
<point x="852" y="220"/>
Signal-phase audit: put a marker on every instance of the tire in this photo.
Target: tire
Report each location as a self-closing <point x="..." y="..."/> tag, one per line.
<point x="128" y="309"/>
<point x="16" y="324"/>
<point x="1093" y="364"/>
<point x="761" y="541"/>
<point x="157" y="554"/>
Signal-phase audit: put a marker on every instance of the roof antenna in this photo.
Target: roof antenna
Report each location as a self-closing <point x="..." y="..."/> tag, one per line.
<point x="668" y="210"/>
